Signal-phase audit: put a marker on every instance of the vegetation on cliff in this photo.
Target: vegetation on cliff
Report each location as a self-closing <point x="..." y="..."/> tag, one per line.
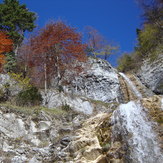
<point x="149" y="37"/>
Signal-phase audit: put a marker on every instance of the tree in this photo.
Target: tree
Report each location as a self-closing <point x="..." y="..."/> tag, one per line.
<point x="125" y="63"/>
<point x="6" y="45"/>
<point x="150" y="37"/>
<point x="107" y="50"/>
<point x="94" y="40"/>
<point x="152" y="12"/>
<point x="54" y="50"/>
<point x="97" y="44"/>
<point x="16" y="19"/>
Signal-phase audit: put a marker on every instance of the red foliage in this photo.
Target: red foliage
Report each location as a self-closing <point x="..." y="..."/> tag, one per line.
<point x="6" y="45"/>
<point x="57" y="46"/>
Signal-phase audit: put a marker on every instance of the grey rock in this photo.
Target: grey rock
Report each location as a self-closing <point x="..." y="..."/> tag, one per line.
<point x="56" y="99"/>
<point x="14" y="88"/>
<point x="98" y="81"/>
<point x="65" y="141"/>
<point x="151" y="74"/>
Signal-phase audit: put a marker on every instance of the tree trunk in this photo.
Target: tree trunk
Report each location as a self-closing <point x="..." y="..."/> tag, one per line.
<point x="45" y="83"/>
<point x="45" y="75"/>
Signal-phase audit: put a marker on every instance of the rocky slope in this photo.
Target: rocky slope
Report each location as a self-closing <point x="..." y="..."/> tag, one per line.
<point x="87" y="122"/>
<point x="99" y="81"/>
<point x="151" y="74"/>
<point x="33" y="135"/>
<point x="48" y="136"/>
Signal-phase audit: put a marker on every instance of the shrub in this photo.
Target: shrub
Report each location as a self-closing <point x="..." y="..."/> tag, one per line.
<point x="24" y="82"/>
<point x="5" y="92"/>
<point x="125" y="63"/>
<point x="66" y="107"/>
<point x="2" y="94"/>
<point x="60" y="89"/>
<point x="29" y="97"/>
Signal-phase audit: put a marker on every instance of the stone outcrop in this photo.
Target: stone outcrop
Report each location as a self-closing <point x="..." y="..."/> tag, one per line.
<point x="98" y="81"/>
<point x="84" y="130"/>
<point x="150" y="74"/>
<point x="10" y="84"/>
<point x="72" y="137"/>
<point x="37" y="136"/>
<point x="55" y="99"/>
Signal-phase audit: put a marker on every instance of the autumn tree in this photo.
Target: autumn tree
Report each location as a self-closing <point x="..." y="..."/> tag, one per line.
<point x="97" y="44"/>
<point x="6" y="45"/>
<point x="55" y="49"/>
<point x="16" y="19"/>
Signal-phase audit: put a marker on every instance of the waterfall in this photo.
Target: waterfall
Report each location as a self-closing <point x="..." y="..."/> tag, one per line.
<point x="131" y="122"/>
<point x="135" y="91"/>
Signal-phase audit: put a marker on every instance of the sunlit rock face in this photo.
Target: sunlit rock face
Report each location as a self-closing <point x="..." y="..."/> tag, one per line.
<point x="151" y="74"/>
<point x="6" y="81"/>
<point x="99" y="81"/>
<point x="59" y="99"/>
<point x="35" y="137"/>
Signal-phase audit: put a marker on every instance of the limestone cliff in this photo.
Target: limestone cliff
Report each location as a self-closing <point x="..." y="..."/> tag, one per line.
<point x="98" y="81"/>
<point x="102" y="116"/>
<point x="151" y="74"/>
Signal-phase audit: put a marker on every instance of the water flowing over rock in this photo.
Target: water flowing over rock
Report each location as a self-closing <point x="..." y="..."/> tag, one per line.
<point x="86" y="122"/>
<point x="131" y="121"/>
<point x="132" y="86"/>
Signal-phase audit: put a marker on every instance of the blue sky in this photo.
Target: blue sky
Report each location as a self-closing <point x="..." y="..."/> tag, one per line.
<point x="117" y="20"/>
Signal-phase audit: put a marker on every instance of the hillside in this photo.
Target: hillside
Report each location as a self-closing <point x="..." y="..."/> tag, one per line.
<point x="85" y="125"/>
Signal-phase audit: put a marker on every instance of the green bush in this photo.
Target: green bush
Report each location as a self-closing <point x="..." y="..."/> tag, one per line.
<point x="150" y="42"/>
<point x="2" y="94"/>
<point x="24" y="82"/>
<point x="60" y="89"/>
<point x="125" y="63"/>
<point x="29" y="97"/>
<point x="5" y="92"/>
<point x="66" y="107"/>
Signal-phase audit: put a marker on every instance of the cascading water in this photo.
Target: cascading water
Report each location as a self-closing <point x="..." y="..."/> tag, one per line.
<point x="162" y="104"/>
<point x="131" y="123"/>
<point x="129" y="82"/>
<point x="130" y="120"/>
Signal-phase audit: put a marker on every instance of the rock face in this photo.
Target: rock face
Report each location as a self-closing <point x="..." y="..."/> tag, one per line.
<point x="59" y="99"/>
<point x="99" y="81"/>
<point x="151" y="75"/>
<point x="91" y="127"/>
<point x="12" y="85"/>
<point x="72" y="137"/>
<point x="35" y="138"/>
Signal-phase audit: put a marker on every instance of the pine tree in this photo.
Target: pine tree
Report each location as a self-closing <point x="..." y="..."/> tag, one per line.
<point x="16" y="19"/>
